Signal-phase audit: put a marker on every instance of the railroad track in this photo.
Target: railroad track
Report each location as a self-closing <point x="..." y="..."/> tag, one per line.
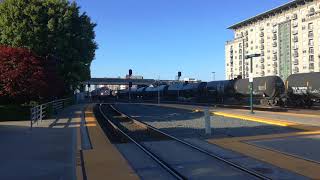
<point x="139" y="132"/>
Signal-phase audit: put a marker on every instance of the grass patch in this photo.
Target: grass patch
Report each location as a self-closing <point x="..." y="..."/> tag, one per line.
<point x="14" y="112"/>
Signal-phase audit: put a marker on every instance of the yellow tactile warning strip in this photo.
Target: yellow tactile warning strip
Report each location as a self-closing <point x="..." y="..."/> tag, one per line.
<point x="272" y="121"/>
<point x="294" y="164"/>
<point x="288" y="113"/>
<point x="103" y="161"/>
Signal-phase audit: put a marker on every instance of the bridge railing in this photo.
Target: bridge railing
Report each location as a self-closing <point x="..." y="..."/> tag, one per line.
<point x="42" y="111"/>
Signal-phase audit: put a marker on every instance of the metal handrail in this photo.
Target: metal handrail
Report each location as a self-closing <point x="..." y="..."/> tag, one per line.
<point x="39" y="112"/>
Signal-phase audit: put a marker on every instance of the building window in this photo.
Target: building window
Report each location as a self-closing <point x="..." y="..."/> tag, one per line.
<point x="311" y="11"/>
<point x="310" y="34"/>
<point x="311" y="50"/>
<point x="311" y="66"/>
<point x="311" y="58"/>
<point x="310" y="26"/>
<point x="295" y="16"/>
<point x="310" y="42"/>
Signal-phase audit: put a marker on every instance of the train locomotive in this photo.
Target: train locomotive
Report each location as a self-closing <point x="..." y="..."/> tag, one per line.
<point x="298" y="90"/>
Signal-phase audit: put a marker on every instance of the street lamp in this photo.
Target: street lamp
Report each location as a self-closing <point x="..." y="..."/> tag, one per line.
<point x="251" y="56"/>
<point x="158" y="90"/>
<point x="214" y="75"/>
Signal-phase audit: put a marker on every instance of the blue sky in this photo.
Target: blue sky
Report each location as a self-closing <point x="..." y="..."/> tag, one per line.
<point x="161" y="37"/>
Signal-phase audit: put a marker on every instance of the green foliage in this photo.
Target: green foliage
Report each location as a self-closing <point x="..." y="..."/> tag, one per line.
<point x="52" y="29"/>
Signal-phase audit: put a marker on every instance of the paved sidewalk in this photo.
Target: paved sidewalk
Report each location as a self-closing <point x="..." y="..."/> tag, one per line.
<point x="47" y="152"/>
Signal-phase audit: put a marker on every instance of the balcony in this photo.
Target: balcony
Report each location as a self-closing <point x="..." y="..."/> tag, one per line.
<point x="261" y="34"/>
<point x="274" y="44"/>
<point x="262" y="47"/>
<point x="294" y="16"/>
<point x="296" y="62"/>
<point x="311" y="66"/>
<point x="261" y="40"/>
<point x="274" y="51"/>
<point x="295" y="39"/>
<point x="275" y="65"/>
<point x="310" y="34"/>
<point x="274" y="58"/>
<point x="311" y="43"/>
<point x="311" y="58"/>
<point x="295" y="32"/>
<point x="262" y="60"/>
<point x="262" y="53"/>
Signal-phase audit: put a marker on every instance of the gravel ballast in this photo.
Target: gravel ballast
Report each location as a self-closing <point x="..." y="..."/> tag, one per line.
<point x="190" y="124"/>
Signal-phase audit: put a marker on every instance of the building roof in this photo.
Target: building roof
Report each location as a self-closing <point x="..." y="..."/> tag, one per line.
<point x="286" y="6"/>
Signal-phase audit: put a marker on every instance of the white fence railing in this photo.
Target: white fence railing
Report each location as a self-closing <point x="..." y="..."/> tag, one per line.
<point x="39" y="112"/>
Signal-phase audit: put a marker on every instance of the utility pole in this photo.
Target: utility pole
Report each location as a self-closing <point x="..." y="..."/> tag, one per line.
<point x="179" y="75"/>
<point x="130" y="84"/>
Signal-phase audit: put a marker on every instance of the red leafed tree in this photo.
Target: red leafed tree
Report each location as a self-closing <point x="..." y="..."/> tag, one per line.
<point x="24" y="76"/>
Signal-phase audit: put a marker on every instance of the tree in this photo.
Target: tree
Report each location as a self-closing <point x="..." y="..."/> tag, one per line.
<point x="25" y="76"/>
<point x="53" y="29"/>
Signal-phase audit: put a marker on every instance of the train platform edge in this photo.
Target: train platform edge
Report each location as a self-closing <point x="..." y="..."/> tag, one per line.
<point x="101" y="159"/>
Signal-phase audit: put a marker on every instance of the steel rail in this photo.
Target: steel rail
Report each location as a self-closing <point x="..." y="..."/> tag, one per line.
<point x="167" y="167"/>
<point x="197" y="148"/>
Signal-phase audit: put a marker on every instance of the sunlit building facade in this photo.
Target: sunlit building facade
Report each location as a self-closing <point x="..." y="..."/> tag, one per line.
<point x="286" y="37"/>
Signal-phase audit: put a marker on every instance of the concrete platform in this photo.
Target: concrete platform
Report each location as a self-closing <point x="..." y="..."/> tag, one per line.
<point x="67" y="147"/>
<point x="48" y="151"/>
<point x="305" y="147"/>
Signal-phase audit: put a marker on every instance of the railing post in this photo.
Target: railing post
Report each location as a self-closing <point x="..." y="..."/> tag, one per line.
<point x="31" y="117"/>
<point x="40" y="113"/>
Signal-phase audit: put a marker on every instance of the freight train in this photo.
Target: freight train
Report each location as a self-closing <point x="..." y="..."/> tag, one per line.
<point x="298" y="90"/>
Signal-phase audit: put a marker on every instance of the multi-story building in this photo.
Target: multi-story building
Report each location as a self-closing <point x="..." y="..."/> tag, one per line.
<point x="286" y="37"/>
